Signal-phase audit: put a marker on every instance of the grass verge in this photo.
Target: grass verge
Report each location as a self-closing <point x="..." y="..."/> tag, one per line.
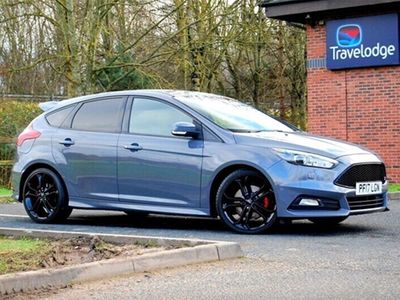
<point x="5" y="200"/>
<point x="22" y="254"/>
<point x="25" y="254"/>
<point x="5" y="195"/>
<point x="394" y="187"/>
<point x="5" y="192"/>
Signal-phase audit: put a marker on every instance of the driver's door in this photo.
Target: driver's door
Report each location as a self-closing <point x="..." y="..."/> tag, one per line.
<point x="154" y="167"/>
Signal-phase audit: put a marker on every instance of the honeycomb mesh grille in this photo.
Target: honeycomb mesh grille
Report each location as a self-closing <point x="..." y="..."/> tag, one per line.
<point x="361" y="173"/>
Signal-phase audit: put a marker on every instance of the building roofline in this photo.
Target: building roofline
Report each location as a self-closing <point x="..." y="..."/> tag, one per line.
<point x="265" y="3"/>
<point x="301" y="11"/>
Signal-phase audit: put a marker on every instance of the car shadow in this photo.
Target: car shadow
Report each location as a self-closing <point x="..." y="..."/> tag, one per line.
<point x="307" y="228"/>
<point x="163" y="222"/>
<point x="149" y="222"/>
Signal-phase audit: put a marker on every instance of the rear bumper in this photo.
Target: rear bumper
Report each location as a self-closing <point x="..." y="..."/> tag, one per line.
<point x="15" y="182"/>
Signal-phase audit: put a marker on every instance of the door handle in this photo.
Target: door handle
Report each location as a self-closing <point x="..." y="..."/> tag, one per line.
<point x="133" y="147"/>
<point x="67" y="142"/>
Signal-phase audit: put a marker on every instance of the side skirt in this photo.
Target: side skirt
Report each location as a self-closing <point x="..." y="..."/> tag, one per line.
<point x="83" y="203"/>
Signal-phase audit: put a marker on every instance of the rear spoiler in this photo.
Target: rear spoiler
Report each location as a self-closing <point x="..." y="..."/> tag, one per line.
<point x="45" y="106"/>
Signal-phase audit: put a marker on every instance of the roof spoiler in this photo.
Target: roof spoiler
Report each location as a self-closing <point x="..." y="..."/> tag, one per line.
<point x="45" y="106"/>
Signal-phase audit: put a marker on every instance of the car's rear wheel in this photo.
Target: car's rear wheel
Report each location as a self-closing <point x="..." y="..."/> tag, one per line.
<point x="44" y="197"/>
<point x="330" y="221"/>
<point x="246" y="202"/>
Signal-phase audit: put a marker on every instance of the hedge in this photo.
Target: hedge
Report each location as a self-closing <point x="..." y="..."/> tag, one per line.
<point x="14" y="117"/>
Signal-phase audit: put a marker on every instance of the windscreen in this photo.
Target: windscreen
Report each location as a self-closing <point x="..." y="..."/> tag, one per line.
<point x="230" y="114"/>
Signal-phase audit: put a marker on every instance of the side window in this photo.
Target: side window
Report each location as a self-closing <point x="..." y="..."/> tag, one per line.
<point x="57" y="118"/>
<point x="102" y="115"/>
<point x="154" y="117"/>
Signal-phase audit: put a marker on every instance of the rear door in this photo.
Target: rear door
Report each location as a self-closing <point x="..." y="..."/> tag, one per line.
<point x="154" y="167"/>
<point x="86" y="148"/>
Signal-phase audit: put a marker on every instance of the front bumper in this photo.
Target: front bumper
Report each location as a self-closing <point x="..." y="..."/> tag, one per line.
<point x="293" y="183"/>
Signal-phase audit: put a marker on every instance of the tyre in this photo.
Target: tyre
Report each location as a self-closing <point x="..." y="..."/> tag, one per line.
<point x="246" y="203"/>
<point x="44" y="197"/>
<point x="330" y="221"/>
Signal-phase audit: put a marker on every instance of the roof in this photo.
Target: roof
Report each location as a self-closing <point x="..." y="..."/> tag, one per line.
<point x="53" y="105"/>
<point x="303" y="11"/>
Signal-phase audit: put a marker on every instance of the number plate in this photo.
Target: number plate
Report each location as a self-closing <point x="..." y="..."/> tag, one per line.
<point x="369" y="188"/>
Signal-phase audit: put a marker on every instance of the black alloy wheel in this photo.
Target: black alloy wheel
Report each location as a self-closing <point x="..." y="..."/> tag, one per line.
<point x="44" y="197"/>
<point x="246" y="202"/>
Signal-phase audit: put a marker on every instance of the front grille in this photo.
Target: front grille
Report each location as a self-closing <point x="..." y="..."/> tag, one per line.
<point x="361" y="173"/>
<point x="365" y="202"/>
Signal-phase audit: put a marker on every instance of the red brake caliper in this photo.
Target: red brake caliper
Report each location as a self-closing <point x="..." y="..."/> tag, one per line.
<point x="266" y="202"/>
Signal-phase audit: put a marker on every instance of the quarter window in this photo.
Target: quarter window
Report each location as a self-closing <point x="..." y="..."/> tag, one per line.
<point x="57" y="118"/>
<point x="154" y="117"/>
<point x="103" y="115"/>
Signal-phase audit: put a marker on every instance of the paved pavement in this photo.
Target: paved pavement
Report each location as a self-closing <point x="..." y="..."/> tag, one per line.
<point x="358" y="259"/>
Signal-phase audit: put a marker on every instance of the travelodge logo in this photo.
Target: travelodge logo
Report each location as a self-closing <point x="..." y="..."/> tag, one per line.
<point x="349" y="35"/>
<point x="361" y="42"/>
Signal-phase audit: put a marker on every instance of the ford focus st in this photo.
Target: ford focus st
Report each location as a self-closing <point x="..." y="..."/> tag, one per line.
<point x="189" y="153"/>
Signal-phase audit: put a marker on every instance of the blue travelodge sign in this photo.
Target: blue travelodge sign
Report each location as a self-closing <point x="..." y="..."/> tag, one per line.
<point x="363" y="42"/>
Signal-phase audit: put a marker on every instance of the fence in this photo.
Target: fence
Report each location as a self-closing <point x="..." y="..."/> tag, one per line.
<point x="7" y="154"/>
<point x="33" y="98"/>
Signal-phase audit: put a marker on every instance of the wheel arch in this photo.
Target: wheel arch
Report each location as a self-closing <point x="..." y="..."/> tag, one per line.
<point x="222" y="174"/>
<point x="35" y="166"/>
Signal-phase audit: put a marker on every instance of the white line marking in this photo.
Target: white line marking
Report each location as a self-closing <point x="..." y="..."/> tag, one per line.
<point x="13" y="216"/>
<point x="195" y="240"/>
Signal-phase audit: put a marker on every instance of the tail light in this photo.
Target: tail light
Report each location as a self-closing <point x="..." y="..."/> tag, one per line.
<point x="28" y="134"/>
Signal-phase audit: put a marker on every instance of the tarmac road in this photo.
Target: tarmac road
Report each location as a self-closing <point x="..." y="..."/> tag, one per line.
<point x="359" y="259"/>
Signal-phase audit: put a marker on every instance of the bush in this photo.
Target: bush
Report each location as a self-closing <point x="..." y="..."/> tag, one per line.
<point x="7" y="151"/>
<point x="14" y="117"/>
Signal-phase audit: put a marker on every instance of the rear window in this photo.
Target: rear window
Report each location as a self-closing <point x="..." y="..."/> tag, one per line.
<point x="102" y="115"/>
<point x="58" y="117"/>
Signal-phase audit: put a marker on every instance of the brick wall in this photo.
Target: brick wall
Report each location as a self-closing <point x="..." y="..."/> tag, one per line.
<point x="358" y="105"/>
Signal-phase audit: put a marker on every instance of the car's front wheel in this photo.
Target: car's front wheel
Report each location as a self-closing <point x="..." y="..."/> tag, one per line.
<point x="44" y="197"/>
<point x="246" y="202"/>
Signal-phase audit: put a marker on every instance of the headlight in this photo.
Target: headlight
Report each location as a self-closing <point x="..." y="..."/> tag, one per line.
<point x="306" y="159"/>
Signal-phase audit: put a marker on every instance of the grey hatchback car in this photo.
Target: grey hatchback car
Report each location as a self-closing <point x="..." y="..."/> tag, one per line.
<point x="189" y="153"/>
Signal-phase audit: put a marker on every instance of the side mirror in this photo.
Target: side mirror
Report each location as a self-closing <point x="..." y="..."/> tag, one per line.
<point x="185" y="129"/>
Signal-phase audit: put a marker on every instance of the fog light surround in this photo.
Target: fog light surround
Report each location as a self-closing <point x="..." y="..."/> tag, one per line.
<point x="305" y="202"/>
<point x="309" y="202"/>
